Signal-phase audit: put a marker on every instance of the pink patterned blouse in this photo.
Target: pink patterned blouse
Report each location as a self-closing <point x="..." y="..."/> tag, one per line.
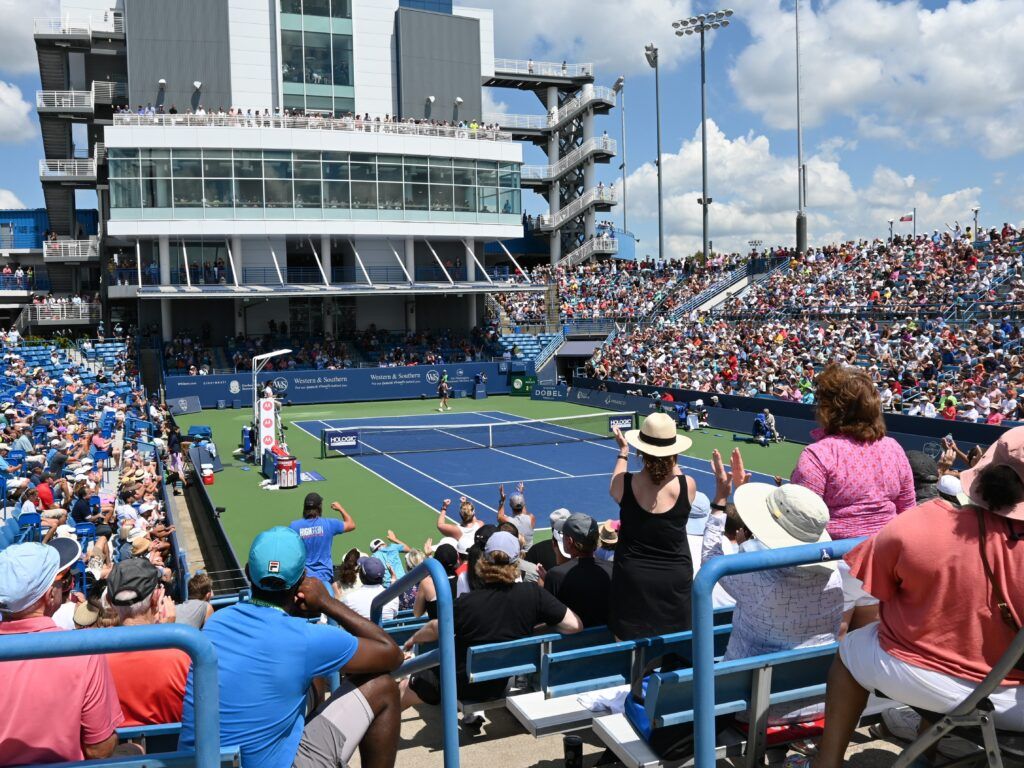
<point x="865" y="485"/>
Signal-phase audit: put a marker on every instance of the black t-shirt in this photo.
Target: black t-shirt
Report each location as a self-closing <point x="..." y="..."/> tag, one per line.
<point x="542" y="553"/>
<point x="501" y="612"/>
<point x="80" y="511"/>
<point x="584" y="585"/>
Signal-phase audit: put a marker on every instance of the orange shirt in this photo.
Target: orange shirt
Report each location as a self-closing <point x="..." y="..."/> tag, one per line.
<point x="937" y="608"/>
<point x="150" y="685"/>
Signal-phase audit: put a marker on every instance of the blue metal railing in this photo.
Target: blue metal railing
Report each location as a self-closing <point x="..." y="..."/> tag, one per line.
<point x="443" y="655"/>
<point x="48" y="645"/>
<point x="704" y="624"/>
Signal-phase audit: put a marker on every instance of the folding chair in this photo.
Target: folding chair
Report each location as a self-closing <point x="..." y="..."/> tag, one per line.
<point x="972" y="719"/>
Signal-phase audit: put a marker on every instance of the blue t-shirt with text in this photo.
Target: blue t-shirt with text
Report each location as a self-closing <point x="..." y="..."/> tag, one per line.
<point x="318" y="534"/>
<point x="266" y="660"/>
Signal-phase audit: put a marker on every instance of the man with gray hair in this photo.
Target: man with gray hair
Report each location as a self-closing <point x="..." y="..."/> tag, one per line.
<point x="150" y="684"/>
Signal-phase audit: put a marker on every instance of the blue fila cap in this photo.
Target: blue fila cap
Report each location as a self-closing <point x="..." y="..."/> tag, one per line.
<point x="277" y="559"/>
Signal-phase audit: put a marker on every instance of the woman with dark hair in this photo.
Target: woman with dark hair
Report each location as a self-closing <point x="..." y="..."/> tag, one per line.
<point x="426" y="595"/>
<point x="346" y="575"/>
<point x="947" y="577"/>
<point x="863" y="476"/>
<point x="653" y="572"/>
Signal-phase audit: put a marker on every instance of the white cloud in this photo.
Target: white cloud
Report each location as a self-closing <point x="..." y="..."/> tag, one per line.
<point x="9" y="200"/>
<point x="611" y="34"/>
<point x="490" y="105"/>
<point x="16" y="123"/>
<point x="19" y="49"/>
<point x="754" y="194"/>
<point x="899" y="71"/>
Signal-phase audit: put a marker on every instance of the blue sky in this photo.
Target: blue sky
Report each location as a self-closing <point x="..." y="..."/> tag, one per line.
<point x="907" y="103"/>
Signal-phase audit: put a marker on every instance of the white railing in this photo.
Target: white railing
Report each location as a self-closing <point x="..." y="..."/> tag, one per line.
<point x="71" y="250"/>
<point x="107" y="92"/>
<point x="58" y="312"/>
<point x="84" y="168"/>
<point x="107" y="22"/>
<point x="601" y="144"/>
<point x="101" y="152"/>
<point x="602" y="245"/>
<point x="549" y="68"/>
<point x="528" y="122"/>
<point x="311" y="123"/>
<point x="64" y="100"/>
<point x="594" y="196"/>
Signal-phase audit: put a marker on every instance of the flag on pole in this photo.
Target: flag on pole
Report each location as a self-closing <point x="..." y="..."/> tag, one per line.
<point x="907" y="217"/>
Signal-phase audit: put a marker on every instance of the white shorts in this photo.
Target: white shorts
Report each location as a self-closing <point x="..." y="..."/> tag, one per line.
<point x="853" y="590"/>
<point x="925" y="689"/>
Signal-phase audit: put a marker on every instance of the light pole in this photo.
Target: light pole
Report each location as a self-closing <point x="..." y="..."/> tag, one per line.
<point x="620" y="88"/>
<point x="977" y="235"/>
<point x="801" y="171"/>
<point x="891" y="222"/>
<point x="700" y="24"/>
<point x="651" y="52"/>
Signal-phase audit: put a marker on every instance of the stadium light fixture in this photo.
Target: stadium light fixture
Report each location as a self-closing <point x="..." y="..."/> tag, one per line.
<point x="801" y="169"/>
<point x="619" y="89"/>
<point x="259" y="362"/>
<point x="651" y="53"/>
<point x="700" y="24"/>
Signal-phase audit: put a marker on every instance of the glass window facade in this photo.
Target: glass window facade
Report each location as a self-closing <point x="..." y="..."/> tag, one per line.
<point x="438" y="6"/>
<point x="227" y="183"/>
<point x="336" y="9"/>
<point x="316" y="55"/>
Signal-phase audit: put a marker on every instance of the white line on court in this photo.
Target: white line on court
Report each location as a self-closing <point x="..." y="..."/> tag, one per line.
<point x="532" y="480"/>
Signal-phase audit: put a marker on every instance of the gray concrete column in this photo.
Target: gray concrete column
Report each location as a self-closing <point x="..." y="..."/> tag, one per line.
<point x="471" y="307"/>
<point x="553" y="187"/>
<point x="410" y="314"/>
<point x="239" y="313"/>
<point x="589" y="173"/>
<point x="238" y="257"/>
<point x="165" y="320"/>
<point x="470" y="263"/>
<point x="325" y="256"/>
<point x="410" y="261"/>
<point x="164" y="252"/>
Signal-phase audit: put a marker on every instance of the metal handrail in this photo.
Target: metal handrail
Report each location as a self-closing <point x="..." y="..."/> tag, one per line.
<point x="549" y="68"/>
<point x="51" y="645"/>
<point x="565" y="112"/>
<point x="310" y="123"/>
<point x="591" y="146"/>
<point x="547" y="221"/>
<point x="71" y="249"/>
<point x="602" y="244"/>
<point x="529" y="122"/>
<point x="106" y="91"/>
<point x="704" y="624"/>
<point x="82" y="167"/>
<point x="64" y="100"/>
<point x="109" y="22"/>
<point x="51" y="312"/>
<point x="442" y="656"/>
<point x="548" y="350"/>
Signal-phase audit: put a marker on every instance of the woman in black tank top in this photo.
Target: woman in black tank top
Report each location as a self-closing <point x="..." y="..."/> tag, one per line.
<point x="653" y="574"/>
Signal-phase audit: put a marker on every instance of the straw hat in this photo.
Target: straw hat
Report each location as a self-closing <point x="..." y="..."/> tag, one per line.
<point x="783" y="516"/>
<point x="657" y="436"/>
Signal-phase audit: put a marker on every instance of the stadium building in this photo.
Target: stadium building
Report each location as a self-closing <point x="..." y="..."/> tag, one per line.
<point x="321" y="162"/>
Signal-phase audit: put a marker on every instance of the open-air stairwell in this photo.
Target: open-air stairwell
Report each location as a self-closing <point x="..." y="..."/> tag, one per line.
<point x="600" y="196"/>
<point x="601" y="145"/>
<point x="589" y="96"/>
<point x="593" y="247"/>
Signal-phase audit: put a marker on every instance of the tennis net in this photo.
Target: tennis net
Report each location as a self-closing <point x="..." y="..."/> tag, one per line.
<point x="358" y="441"/>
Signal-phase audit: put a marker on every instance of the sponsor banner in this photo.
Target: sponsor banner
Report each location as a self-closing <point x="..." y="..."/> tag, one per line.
<point x="268" y="420"/>
<point x="182" y="405"/>
<point x="622" y="422"/>
<point x="522" y="386"/>
<point x="341" y="439"/>
<point x="612" y="401"/>
<point x="558" y="392"/>
<point x="351" y="384"/>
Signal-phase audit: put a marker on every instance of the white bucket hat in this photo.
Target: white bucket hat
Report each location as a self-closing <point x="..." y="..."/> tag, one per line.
<point x="783" y="516"/>
<point x="657" y="436"/>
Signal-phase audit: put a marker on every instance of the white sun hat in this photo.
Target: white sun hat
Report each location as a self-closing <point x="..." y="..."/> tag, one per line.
<point x="657" y="436"/>
<point x="783" y="516"/>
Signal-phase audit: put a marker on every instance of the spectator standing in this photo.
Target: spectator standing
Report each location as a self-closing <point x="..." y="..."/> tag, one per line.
<point x="198" y="608"/>
<point x="583" y="583"/>
<point x="946" y="577"/>
<point x="653" y="573"/>
<point x="317" y="533"/>
<point x="520" y="517"/>
<point x="608" y="537"/>
<point x="390" y="554"/>
<point x="426" y="595"/>
<point x="268" y="653"/>
<point x="863" y="476"/>
<point x="150" y="684"/>
<point x="73" y="716"/>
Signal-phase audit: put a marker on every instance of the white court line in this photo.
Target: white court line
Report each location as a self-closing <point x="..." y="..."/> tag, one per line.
<point x="424" y="474"/>
<point x="505" y="453"/>
<point x="533" y="480"/>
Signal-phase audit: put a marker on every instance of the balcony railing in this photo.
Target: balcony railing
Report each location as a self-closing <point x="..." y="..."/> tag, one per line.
<point x="601" y="195"/>
<point x="70" y="250"/>
<point x="75" y="169"/>
<point x="313" y="124"/>
<point x="547" y="68"/>
<point x="522" y="122"/>
<point x="598" y="144"/>
<point x="107" y="92"/>
<point x="567" y="111"/>
<point x="99" y="23"/>
<point x="64" y="100"/>
<point x="54" y="313"/>
<point x="602" y="245"/>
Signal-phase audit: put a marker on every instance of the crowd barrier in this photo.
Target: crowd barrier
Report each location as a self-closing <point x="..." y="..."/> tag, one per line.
<point x="348" y="385"/>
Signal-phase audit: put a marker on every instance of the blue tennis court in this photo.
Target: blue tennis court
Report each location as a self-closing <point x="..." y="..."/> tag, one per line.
<point x="563" y="464"/>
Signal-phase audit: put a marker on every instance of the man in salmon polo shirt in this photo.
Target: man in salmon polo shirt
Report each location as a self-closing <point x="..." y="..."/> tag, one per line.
<point x="947" y="579"/>
<point x="55" y="709"/>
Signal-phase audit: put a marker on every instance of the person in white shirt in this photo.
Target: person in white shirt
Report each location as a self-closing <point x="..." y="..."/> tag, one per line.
<point x="929" y="411"/>
<point x="371" y="574"/>
<point x="971" y="412"/>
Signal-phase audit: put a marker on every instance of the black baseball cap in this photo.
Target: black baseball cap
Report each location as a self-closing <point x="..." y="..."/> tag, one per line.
<point x="131" y="581"/>
<point x="483" y="533"/>
<point x="923" y="467"/>
<point x="581" y="528"/>
<point x="312" y="501"/>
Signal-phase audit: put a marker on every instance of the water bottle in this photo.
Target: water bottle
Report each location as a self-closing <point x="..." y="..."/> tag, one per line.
<point x="573" y="746"/>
